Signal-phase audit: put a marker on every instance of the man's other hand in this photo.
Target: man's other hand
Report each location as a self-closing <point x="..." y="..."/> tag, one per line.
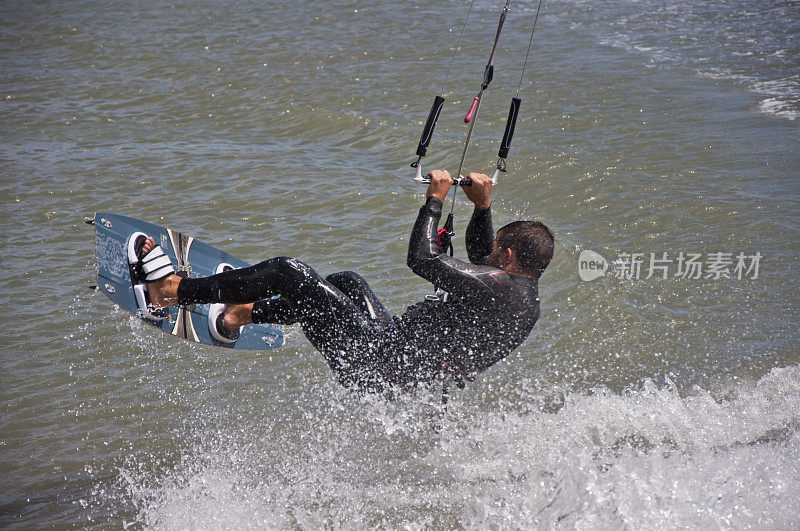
<point x="440" y="184"/>
<point x="479" y="192"/>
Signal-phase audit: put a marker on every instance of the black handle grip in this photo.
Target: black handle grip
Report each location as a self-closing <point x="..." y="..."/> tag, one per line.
<point x="427" y="133"/>
<point x="511" y="123"/>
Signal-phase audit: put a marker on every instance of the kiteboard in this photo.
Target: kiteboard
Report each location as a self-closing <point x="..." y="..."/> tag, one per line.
<point x="191" y="259"/>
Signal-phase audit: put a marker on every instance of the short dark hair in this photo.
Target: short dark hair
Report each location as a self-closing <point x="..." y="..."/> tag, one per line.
<point x="531" y="241"/>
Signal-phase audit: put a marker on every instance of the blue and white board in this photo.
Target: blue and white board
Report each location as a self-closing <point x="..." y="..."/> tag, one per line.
<point x="191" y="258"/>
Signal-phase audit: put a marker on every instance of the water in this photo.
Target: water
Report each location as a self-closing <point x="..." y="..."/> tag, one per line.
<point x="269" y="129"/>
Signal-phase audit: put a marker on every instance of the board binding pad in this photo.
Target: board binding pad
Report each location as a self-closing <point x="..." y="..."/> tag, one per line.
<point x="191" y="259"/>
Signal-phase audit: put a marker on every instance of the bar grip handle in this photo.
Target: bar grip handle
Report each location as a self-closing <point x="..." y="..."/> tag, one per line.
<point x="457" y="181"/>
<point x="511" y="124"/>
<point x="430" y="124"/>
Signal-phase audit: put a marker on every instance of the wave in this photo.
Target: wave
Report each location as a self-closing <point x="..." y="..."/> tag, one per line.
<point x="649" y="457"/>
<point x="782" y="94"/>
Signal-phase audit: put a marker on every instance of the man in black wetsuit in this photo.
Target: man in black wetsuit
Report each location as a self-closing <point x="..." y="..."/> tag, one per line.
<point x="490" y="306"/>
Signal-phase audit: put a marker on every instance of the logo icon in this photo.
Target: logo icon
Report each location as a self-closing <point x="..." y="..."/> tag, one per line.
<point x="591" y="265"/>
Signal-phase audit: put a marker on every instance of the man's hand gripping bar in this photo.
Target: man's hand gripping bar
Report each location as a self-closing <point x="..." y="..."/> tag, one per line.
<point x="458" y="181"/>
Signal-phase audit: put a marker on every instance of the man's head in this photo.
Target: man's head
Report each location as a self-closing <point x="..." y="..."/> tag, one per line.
<point x="526" y="246"/>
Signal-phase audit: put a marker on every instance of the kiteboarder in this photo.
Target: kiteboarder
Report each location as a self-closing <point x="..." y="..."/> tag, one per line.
<point x="484" y="309"/>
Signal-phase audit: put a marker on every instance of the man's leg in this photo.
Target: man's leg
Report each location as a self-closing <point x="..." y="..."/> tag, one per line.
<point x="350" y="343"/>
<point x="276" y="310"/>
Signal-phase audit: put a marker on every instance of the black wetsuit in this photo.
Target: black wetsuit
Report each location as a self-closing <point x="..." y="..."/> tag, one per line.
<point x="487" y="314"/>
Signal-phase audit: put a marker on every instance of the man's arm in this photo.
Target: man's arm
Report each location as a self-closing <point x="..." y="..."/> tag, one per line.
<point x="425" y="259"/>
<point x="480" y="236"/>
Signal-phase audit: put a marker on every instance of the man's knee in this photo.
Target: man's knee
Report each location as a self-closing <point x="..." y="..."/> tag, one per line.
<point x="286" y="265"/>
<point x="283" y="275"/>
<point x="346" y="280"/>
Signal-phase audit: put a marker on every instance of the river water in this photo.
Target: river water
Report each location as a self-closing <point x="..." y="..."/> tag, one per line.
<point x="659" y="138"/>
